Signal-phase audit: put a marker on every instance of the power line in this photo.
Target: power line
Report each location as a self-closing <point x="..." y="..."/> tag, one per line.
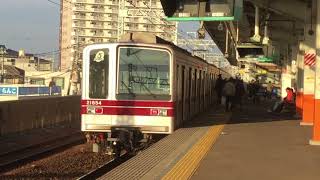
<point x="177" y="29"/>
<point x="54" y="2"/>
<point x="146" y="15"/>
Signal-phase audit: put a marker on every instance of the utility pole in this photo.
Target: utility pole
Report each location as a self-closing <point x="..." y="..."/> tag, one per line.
<point x="3" y="51"/>
<point x="52" y="62"/>
<point x="74" y="78"/>
<point x="121" y="15"/>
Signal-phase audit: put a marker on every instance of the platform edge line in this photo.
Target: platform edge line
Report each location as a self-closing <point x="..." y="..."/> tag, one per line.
<point x="186" y="166"/>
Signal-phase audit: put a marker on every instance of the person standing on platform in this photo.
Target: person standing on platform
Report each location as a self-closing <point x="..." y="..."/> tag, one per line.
<point x="255" y="88"/>
<point x="51" y="86"/>
<point x="251" y="89"/>
<point x="229" y="91"/>
<point x="269" y="90"/>
<point x="240" y="91"/>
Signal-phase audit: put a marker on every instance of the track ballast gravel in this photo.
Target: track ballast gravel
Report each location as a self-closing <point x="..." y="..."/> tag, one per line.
<point x="69" y="164"/>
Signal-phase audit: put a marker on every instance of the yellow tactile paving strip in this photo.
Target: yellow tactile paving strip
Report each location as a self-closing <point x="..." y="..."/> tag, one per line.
<point x="186" y="166"/>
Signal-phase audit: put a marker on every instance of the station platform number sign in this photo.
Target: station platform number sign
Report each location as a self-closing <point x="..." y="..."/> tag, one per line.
<point x="8" y="91"/>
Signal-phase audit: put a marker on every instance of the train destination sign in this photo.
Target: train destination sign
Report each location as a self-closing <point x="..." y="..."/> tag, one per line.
<point x="8" y="91"/>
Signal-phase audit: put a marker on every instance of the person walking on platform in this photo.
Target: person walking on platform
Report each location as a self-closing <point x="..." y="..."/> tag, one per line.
<point x="251" y="89"/>
<point x="240" y="91"/>
<point x="218" y="87"/>
<point x="229" y="91"/>
<point x="255" y="89"/>
<point x="269" y="90"/>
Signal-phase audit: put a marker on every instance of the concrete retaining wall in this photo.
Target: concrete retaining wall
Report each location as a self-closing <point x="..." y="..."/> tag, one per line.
<point x="22" y="115"/>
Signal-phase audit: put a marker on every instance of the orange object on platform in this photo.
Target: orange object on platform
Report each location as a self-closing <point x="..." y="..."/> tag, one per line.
<point x="308" y="109"/>
<point x="316" y="124"/>
<point x="299" y="102"/>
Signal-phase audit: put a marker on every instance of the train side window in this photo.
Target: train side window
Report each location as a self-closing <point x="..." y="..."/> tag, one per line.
<point x="99" y="73"/>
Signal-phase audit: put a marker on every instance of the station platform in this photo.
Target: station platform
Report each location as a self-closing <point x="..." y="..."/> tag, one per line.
<point x="249" y="144"/>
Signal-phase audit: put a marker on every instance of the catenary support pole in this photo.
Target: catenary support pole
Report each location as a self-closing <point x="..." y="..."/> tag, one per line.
<point x="299" y="78"/>
<point x="316" y="125"/>
<point x="309" y="73"/>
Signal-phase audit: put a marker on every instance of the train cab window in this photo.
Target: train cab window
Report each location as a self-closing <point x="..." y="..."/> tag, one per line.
<point x="98" y="75"/>
<point x="143" y="74"/>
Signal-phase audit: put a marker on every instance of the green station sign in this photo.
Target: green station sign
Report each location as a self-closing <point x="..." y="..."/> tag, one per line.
<point x="221" y="10"/>
<point x="265" y="59"/>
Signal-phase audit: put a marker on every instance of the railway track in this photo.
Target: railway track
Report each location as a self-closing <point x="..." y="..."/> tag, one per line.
<point x="113" y="163"/>
<point x="13" y="159"/>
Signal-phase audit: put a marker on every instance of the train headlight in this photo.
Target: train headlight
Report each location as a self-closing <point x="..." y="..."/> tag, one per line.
<point x="94" y="110"/>
<point x="91" y="110"/>
<point x="159" y="112"/>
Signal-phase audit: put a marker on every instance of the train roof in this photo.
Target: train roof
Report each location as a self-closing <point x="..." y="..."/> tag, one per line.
<point x="150" y="38"/>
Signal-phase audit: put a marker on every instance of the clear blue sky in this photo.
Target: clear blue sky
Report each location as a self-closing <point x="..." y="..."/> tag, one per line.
<point x="32" y="25"/>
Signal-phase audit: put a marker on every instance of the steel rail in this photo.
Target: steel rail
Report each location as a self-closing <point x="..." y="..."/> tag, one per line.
<point x="13" y="159"/>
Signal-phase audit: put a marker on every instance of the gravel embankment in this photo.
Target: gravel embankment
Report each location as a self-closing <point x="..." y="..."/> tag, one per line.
<point x="69" y="164"/>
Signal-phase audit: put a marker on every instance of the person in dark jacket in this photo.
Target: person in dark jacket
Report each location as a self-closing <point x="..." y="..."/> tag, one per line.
<point x="229" y="91"/>
<point x="240" y="91"/>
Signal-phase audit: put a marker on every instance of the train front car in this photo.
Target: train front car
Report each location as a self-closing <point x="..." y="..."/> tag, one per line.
<point x="127" y="94"/>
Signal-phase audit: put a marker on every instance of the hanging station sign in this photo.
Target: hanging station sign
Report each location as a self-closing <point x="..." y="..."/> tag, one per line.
<point x="191" y="10"/>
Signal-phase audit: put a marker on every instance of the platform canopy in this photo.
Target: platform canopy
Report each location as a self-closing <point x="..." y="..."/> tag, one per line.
<point x="285" y="21"/>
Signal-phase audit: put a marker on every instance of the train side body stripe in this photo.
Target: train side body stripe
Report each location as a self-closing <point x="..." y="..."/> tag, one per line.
<point x="128" y="103"/>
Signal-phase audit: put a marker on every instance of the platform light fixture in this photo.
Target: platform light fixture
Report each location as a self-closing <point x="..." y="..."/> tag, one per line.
<point x="220" y="26"/>
<point x="180" y="5"/>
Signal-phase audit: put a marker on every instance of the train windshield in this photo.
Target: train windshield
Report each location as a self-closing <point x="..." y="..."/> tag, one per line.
<point x="143" y="74"/>
<point x="98" y="75"/>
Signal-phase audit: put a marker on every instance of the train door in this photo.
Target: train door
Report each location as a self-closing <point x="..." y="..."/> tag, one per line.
<point x="183" y="98"/>
<point x="188" y="95"/>
<point x="208" y="89"/>
<point x="211" y="89"/>
<point x="194" y="87"/>
<point x="205" y="90"/>
<point x="196" y="91"/>
<point x="199" y="91"/>
<point x="214" y="93"/>
<point x="178" y="98"/>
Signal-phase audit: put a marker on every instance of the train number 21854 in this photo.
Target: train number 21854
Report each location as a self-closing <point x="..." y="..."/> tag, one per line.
<point x="94" y="103"/>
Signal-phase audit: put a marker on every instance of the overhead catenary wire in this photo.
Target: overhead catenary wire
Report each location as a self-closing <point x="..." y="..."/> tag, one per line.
<point x="179" y="32"/>
<point x="177" y="29"/>
<point x="146" y="15"/>
<point x="59" y="4"/>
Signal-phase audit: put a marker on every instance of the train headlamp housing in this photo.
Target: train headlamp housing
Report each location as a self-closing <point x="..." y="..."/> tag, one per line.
<point x="159" y="112"/>
<point x="94" y="110"/>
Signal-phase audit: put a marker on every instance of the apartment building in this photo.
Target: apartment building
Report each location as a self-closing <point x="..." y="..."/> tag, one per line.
<point x="86" y="22"/>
